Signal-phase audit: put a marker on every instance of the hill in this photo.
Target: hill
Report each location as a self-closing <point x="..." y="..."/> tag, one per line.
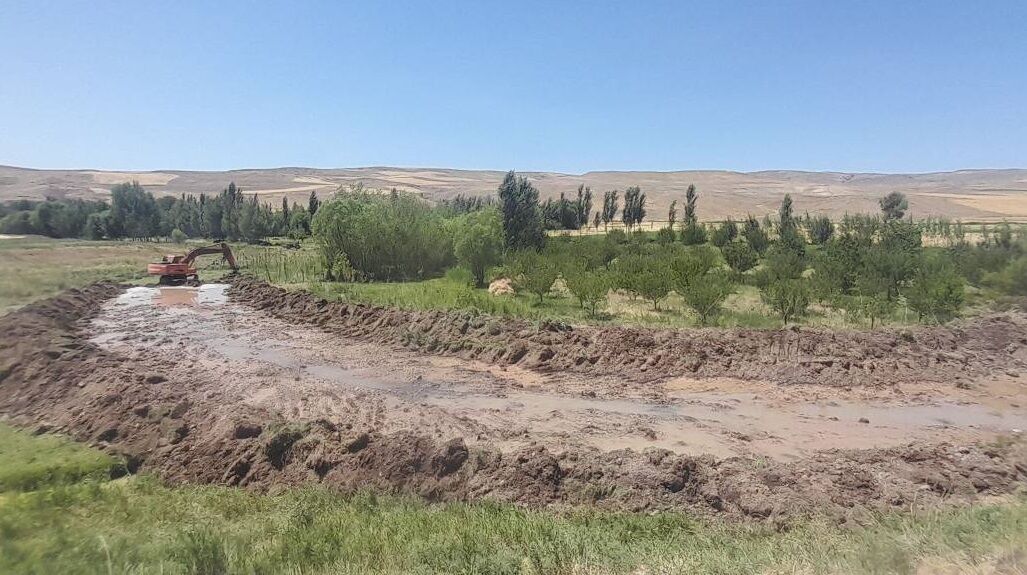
<point x="980" y="195"/>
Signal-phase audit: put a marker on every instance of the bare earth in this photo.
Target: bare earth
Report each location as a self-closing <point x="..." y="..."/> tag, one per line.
<point x="978" y="195"/>
<point x="202" y="386"/>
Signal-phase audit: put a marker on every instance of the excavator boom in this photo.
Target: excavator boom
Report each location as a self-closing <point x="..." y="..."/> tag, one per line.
<point x="178" y="269"/>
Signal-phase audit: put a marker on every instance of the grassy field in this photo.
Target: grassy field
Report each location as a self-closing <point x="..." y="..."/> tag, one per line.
<point x="60" y="514"/>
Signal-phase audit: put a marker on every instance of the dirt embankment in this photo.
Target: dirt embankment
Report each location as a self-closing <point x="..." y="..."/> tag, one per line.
<point x="180" y="425"/>
<point x="971" y="349"/>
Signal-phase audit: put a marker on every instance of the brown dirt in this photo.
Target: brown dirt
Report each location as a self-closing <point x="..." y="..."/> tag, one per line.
<point x="197" y="389"/>
<point x="975" y="348"/>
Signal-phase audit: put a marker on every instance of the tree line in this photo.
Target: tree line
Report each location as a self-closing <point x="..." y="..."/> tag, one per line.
<point x="134" y="213"/>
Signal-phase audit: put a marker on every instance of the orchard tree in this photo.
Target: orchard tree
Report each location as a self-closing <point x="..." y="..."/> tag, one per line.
<point x="740" y="256"/>
<point x="589" y="286"/>
<point x="653" y="282"/>
<point x="534" y="273"/>
<point x="789" y="297"/>
<point x="937" y="291"/>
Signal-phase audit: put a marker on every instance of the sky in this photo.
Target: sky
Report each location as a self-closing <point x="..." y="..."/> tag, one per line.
<point x="567" y="86"/>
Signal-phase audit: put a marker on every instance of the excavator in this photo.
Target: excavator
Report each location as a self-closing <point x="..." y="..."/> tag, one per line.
<point x="176" y="269"/>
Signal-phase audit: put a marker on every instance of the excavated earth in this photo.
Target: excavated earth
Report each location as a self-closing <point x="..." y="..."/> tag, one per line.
<point x="247" y="384"/>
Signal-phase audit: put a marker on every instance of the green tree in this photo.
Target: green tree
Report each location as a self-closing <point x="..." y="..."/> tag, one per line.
<point x="755" y="236"/>
<point x="725" y="233"/>
<point x="691" y="199"/>
<point x="672" y="214"/>
<point x="534" y="273"/>
<point x="313" y="204"/>
<point x="589" y="286"/>
<point x="583" y="206"/>
<point x="705" y="296"/>
<point x="522" y="224"/>
<point x="790" y="298"/>
<point x="937" y="291"/>
<point x="653" y="281"/>
<point x="740" y="256"/>
<point x="609" y="207"/>
<point x="820" y="229"/>
<point x="478" y="242"/>
<point x="894" y="206"/>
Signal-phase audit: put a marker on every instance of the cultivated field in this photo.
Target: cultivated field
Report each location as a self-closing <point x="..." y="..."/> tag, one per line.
<point x="970" y="195"/>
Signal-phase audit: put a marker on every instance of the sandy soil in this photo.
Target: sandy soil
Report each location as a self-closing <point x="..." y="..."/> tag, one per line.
<point x="200" y="387"/>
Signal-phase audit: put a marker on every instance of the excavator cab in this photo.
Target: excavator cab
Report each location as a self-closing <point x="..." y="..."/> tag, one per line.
<point x="176" y="269"/>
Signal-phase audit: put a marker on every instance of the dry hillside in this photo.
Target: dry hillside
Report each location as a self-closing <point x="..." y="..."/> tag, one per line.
<point x="986" y="195"/>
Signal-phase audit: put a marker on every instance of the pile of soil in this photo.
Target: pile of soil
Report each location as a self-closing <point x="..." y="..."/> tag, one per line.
<point x="52" y="377"/>
<point x="942" y="354"/>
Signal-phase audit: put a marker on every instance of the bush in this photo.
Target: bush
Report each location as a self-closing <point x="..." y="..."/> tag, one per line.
<point x="724" y="234"/>
<point x="693" y="234"/>
<point x="665" y="236"/>
<point x="178" y="236"/>
<point x="385" y="238"/>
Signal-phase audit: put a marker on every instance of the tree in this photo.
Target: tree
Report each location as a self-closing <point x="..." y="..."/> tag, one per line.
<point x="534" y="273"/>
<point x="724" y="233"/>
<point x="609" y="207"/>
<point x="178" y="236"/>
<point x="133" y="212"/>
<point x="96" y="226"/>
<point x="740" y="256"/>
<point x="789" y="237"/>
<point x="937" y="291"/>
<point x="313" y="203"/>
<point x="595" y="221"/>
<point x="894" y="206"/>
<point x="653" y="282"/>
<point x="255" y="220"/>
<point x="789" y="297"/>
<point x="478" y="242"/>
<point x="584" y="205"/>
<point x="755" y="236"/>
<point x="522" y="225"/>
<point x="589" y="286"/>
<point x="691" y="198"/>
<point x="628" y="215"/>
<point x="820" y="229"/>
<point x="672" y="214"/>
<point x="706" y="295"/>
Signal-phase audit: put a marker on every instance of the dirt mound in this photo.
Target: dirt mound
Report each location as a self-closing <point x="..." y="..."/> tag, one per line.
<point x="950" y="354"/>
<point x="179" y="424"/>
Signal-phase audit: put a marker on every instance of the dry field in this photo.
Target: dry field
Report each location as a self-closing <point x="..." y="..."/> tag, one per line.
<point x="972" y="195"/>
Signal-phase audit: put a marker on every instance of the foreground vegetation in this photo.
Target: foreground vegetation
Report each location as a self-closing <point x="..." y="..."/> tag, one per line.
<point x="60" y="514"/>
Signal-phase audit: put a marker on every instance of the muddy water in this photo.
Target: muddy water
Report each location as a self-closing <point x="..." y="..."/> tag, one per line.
<point x="304" y="370"/>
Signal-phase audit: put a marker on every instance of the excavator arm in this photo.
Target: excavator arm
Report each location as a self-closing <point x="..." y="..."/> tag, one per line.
<point x="221" y="248"/>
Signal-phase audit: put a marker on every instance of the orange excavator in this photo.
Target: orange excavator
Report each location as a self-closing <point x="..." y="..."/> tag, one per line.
<point x="176" y="270"/>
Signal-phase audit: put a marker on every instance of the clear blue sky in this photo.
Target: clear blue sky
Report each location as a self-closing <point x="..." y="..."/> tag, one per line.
<point x="566" y="86"/>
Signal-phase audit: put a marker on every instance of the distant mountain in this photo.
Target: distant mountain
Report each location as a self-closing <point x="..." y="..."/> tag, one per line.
<point x="986" y="195"/>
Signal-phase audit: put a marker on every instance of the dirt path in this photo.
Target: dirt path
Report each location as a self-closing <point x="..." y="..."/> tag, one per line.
<point x="199" y="387"/>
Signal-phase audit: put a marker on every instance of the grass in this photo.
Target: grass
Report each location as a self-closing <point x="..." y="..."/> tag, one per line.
<point x="59" y="520"/>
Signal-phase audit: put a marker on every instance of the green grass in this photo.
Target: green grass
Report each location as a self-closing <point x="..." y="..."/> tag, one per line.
<point x="64" y="519"/>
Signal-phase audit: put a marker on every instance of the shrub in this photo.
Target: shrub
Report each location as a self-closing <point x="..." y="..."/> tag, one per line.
<point x="724" y="234"/>
<point x="385" y="238"/>
<point x="693" y="234"/>
<point x="178" y="236"/>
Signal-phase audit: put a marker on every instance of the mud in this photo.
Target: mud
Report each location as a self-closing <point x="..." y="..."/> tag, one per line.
<point x="989" y="345"/>
<point x="199" y="388"/>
